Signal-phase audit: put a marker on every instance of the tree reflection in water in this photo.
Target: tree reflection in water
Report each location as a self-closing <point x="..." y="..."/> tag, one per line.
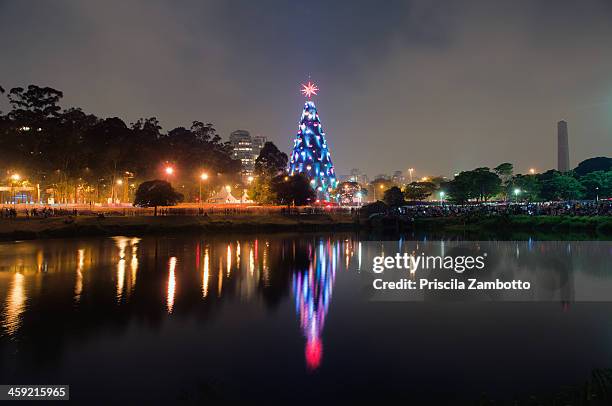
<point x="312" y="289"/>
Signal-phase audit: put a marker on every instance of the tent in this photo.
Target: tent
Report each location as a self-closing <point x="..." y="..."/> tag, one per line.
<point x="223" y="196"/>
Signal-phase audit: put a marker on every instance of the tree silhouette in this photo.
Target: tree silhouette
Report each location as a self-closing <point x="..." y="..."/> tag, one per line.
<point x="155" y="193"/>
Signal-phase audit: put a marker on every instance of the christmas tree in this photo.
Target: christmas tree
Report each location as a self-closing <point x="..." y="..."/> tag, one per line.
<point x="310" y="154"/>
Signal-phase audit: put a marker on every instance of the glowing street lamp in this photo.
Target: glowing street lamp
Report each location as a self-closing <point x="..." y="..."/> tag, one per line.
<point x="410" y="170"/>
<point x="169" y="170"/>
<point x="532" y="171"/>
<point x="442" y="194"/>
<point x="15" y="177"/>
<point x="517" y="192"/>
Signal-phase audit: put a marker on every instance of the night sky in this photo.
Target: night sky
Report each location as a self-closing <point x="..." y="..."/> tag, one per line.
<point x="440" y="86"/>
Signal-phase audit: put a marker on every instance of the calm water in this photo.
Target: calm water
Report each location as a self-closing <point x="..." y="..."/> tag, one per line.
<point x="200" y="318"/>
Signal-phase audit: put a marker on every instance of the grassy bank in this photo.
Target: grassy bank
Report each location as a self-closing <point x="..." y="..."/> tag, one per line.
<point x="521" y="223"/>
<point x="58" y="227"/>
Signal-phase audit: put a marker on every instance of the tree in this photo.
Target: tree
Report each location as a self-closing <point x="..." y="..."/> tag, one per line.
<point x="270" y="162"/>
<point x="486" y="183"/>
<point x="70" y="153"/>
<point x="528" y="185"/>
<point x="597" y="184"/>
<point x="592" y="165"/>
<point x="394" y="197"/>
<point x="480" y="184"/>
<point x="311" y="155"/>
<point x="35" y="103"/>
<point x="155" y="193"/>
<point x="419" y="191"/>
<point x="260" y="190"/>
<point x="504" y="171"/>
<point x="564" y="187"/>
<point x="347" y="192"/>
<point x="294" y="190"/>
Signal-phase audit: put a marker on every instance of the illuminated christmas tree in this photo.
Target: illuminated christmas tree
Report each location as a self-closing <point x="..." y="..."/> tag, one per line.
<point x="310" y="154"/>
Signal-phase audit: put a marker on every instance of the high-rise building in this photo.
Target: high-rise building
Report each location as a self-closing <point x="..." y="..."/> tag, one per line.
<point x="563" y="162"/>
<point x="242" y="144"/>
<point x="358" y="176"/>
<point x="258" y="144"/>
<point x="398" y="178"/>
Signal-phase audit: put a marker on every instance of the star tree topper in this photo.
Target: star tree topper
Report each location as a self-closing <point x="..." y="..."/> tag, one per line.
<point x="309" y="89"/>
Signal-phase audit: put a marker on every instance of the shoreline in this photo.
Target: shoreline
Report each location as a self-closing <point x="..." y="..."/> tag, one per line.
<point x="90" y="226"/>
<point x="71" y="227"/>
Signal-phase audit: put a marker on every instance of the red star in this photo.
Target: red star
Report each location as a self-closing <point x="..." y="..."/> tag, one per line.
<point x="309" y="89"/>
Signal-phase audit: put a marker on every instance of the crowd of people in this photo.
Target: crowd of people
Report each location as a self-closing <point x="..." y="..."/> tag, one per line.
<point x="576" y="208"/>
<point x="35" y="212"/>
<point x="27" y="211"/>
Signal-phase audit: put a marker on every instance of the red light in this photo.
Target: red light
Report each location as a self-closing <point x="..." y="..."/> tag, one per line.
<point x="314" y="353"/>
<point x="309" y="89"/>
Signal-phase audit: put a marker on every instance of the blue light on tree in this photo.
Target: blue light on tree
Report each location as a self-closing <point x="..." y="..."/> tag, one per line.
<point x="310" y="154"/>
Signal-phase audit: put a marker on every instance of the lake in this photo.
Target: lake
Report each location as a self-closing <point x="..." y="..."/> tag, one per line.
<point x="286" y="317"/>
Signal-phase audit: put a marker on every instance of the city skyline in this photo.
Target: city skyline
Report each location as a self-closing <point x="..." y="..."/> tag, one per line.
<point x="436" y="87"/>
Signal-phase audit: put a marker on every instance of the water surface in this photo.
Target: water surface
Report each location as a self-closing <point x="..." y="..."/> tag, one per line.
<point x="282" y="316"/>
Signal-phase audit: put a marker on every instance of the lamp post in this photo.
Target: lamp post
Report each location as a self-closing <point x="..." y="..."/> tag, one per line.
<point x="517" y="192"/>
<point x="597" y="194"/>
<point x="203" y="177"/>
<point x="442" y="194"/>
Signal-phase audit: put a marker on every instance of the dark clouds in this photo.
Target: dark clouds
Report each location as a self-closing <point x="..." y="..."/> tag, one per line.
<point x="439" y="86"/>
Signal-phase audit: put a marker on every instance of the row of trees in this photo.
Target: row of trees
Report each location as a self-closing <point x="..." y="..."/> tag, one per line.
<point x="272" y="184"/>
<point x="591" y="179"/>
<point x="78" y="157"/>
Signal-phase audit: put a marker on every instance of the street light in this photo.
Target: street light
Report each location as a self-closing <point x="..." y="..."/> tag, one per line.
<point x="410" y="170"/>
<point x="532" y="171"/>
<point x="169" y="172"/>
<point x="203" y="177"/>
<point x="517" y="192"/>
<point x="119" y="182"/>
<point x="442" y="194"/>
<point x="597" y="194"/>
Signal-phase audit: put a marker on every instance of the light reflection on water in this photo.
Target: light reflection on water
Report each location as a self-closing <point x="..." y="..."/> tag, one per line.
<point x="15" y="304"/>
<point x="99" y="284"/>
